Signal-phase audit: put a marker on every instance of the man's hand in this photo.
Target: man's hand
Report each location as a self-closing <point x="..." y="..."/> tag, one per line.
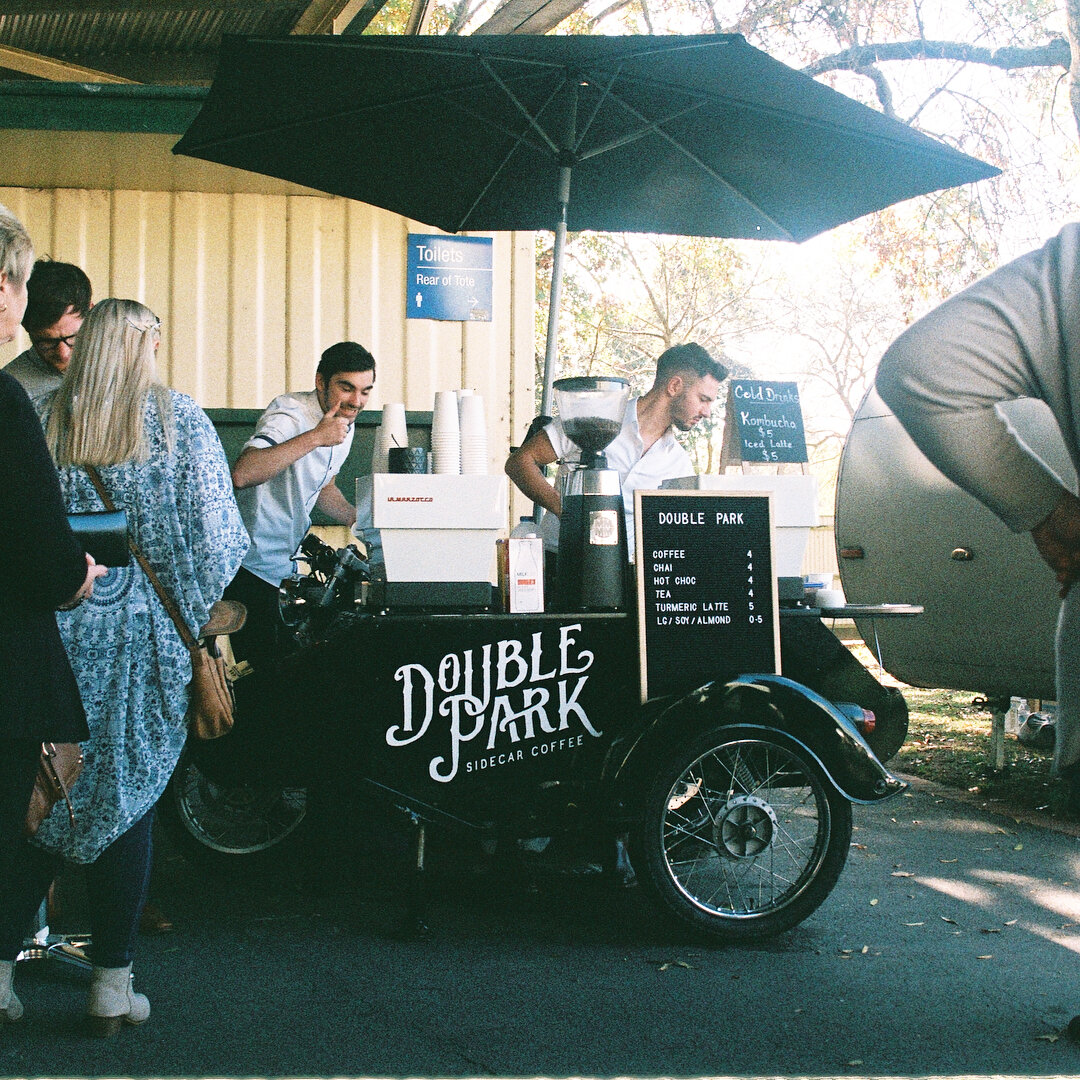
<point x="332" y="429"/>
<point x="1057" y="538"/>
<point x="526" y="468"/>
<point x="257" y="464"/>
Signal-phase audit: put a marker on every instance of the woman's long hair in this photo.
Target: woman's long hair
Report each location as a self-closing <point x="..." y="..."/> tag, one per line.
<point x="98" y="413"/>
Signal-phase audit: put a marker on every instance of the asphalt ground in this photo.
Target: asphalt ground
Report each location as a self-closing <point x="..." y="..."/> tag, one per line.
<point x="948" y="947"/>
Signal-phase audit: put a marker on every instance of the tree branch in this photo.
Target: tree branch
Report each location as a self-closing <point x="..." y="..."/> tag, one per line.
<point x="882" y="88"/>
<point x="1055" y="52"/>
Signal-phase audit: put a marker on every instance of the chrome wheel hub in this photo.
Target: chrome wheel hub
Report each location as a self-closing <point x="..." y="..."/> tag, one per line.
<point x="744" y="828"/>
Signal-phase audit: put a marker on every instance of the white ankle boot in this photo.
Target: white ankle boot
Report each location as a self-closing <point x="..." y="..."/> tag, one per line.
<point x="10" y="1006"/>
<point x="113" y="1001"/>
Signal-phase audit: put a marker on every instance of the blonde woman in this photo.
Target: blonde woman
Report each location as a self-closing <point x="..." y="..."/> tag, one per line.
<point x="161" y="461"/>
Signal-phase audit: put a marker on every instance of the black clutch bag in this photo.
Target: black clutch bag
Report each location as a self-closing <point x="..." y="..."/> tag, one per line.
<point x="104" y="535"/>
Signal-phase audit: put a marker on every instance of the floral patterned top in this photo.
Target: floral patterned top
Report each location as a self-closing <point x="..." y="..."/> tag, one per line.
<point x="131" y="665"/>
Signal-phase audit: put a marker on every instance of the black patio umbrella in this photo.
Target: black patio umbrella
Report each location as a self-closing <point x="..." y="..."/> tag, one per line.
<point x="700" y="136"/>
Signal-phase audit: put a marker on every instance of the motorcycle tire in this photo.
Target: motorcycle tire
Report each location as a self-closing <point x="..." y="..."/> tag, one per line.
<point x="229" y="827"/>
<point x="740" y="835"/>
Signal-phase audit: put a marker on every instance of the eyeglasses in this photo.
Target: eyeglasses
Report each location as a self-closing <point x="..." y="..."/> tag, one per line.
<point x="52" y="344"/>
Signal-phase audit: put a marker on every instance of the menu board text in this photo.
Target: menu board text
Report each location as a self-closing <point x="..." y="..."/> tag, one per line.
<point x="706" y="590"/>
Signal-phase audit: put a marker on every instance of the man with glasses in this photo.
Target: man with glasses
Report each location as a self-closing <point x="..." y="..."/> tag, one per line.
<point x="58" y="299"/>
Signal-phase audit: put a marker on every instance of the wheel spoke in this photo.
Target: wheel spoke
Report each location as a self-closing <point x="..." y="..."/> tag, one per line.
<point x="746" y="828"/>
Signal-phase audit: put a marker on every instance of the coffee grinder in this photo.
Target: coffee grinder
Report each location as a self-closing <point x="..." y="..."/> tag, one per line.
<point x="592" y="561"/>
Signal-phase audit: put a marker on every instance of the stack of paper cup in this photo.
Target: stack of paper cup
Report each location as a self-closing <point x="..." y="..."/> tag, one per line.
<point x="474" y="449"/>
<point x="379" y="461"/>
<point x="446" y="433"/>
<point x="391" y="432"/>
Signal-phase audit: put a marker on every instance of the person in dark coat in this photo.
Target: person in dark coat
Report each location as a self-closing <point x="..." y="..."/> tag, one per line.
<point x="46" y="569"/>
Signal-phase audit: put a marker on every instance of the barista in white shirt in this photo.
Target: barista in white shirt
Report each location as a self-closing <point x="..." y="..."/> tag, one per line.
<point x="644" y="453"/>
<point x="286" y="469"/>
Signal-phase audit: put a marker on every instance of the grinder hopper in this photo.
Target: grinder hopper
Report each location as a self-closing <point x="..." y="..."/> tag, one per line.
<point x="592" y="561"/>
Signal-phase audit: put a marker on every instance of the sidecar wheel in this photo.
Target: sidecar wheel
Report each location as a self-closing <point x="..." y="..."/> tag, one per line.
<point x="741" y="835"/>
<point x="229" y="826"/>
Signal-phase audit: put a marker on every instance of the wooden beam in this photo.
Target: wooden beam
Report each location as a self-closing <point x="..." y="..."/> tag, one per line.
<point x="529" y="16"/>
<point x="46" y="67"/>
<point x="362" y="19"/>
<point x="347" y="14"/>
<point x="318" y="17"/>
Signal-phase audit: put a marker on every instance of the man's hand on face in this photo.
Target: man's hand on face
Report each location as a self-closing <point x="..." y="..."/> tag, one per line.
<point x="332" y="429"/>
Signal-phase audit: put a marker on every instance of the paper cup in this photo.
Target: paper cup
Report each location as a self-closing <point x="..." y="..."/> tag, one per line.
<point x="444" y="416"/>
<point x="394" y="429"/>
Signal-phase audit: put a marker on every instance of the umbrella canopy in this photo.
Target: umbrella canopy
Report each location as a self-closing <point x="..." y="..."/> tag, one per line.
<point x="703" y="136"/>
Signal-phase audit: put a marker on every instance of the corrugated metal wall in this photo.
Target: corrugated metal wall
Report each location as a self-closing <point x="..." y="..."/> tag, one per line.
<point x="251" y="288"/>
<point x="820" y="557"/>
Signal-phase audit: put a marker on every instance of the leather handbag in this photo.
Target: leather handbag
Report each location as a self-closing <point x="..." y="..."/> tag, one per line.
<point x="211" y="699"/>
<point x="58" y="769"/>
<point x="104" y="535"/>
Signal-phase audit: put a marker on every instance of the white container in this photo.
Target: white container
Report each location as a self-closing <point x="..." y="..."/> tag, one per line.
<point x="444" y="416"/>
<point x="394" y="429"/>
<point x="380" y="461"/>
<point x="526" y="573"/>
<point x="1018" y="707"/>
<point x="474" y="445"/>
<point x="446" y="454"/>
<point x="439" y="528"/>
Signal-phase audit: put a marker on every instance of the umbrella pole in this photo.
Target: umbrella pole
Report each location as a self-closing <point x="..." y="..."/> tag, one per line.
<point x="554" y="299"/>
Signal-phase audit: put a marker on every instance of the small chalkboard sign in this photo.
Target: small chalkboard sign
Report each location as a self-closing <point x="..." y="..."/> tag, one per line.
<point x="707" y="601"/>
<point x="763" y="423"/>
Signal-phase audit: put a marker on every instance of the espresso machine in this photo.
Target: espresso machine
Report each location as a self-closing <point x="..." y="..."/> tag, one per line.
<point x="591" y="569"/>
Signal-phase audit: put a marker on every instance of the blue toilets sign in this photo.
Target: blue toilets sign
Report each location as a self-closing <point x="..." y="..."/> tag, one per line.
<point x="449" y="278"/>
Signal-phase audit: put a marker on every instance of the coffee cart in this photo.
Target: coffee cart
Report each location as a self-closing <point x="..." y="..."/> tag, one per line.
<point x="669" y="720"/>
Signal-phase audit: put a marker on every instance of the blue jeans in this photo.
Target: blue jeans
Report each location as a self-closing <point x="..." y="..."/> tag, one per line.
<point x="117" y="883"/>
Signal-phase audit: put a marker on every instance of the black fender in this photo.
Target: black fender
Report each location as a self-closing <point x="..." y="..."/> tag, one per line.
<point x="761" y="701"/>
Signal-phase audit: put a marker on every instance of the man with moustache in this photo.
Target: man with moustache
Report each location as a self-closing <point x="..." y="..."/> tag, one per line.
<point x="285" y="470"/>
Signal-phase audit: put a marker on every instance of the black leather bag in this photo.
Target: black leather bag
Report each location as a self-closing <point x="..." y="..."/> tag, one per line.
<point x="104" y="535"/>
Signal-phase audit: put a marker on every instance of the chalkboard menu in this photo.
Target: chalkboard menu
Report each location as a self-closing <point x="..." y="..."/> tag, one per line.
<point x="763" y="423"/>
<point x="707" y="604"/>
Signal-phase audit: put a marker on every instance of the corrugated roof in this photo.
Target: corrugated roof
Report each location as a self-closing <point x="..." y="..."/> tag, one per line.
<point x="134" y="40"/>
<point x="176" y="41"/>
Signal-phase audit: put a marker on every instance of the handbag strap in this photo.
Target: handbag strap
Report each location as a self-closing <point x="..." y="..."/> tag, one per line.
<point x="182" y="627"/>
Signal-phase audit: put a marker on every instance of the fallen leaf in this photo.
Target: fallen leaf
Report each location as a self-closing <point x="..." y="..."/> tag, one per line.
<point x="874" y="903"/>
<point x="1051" y="1038"/>
<point x="1012" y="922"/>
<point x="984" y="958"/>
<point x="1019" y="847"/>
<point x="846" y="952"/>
<point x="948" y="860"/>
<point x="865" y="949"/>
<point x="951" y="922"/>
<point x="902" y="873"/>
<point x="859" y="847"/>
<point x="673" y="963"/>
